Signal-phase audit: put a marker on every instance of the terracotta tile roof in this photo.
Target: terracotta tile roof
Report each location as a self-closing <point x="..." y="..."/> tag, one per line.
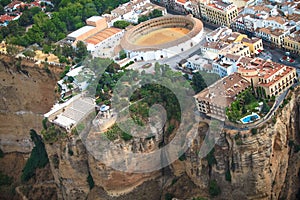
<point x="6" y="18"/>
<point x="102" y="35"/>
<point x="277" y="19"/>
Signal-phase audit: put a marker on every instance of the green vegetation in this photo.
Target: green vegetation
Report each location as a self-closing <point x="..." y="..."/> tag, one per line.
<point x="201" y="80"/>
<point x="38" y="157"/>
<point x="182" y="157"/>
<point x="228" y="175"/>
<point x="291" y="144"/>
<point x="211" y="158"/>
<point x="199" y="198"/>
<point x="127" y="64"/>
<point x="245" y="104"/>
<point x="64" y="73"/>
<point x="214" y="188"/>
<point x="115" y="132"/>
<point x="122" y="24"/>
<point x="90" y="181"/>
<point x="154" y="14"/>
<point x="80" y="127"/>
<point x="169" y="196"/>
<point x="174" y="181"/>
<point x="1" y="153"/>
<point x="254" y="131"/>
<point x="5" y="180"/>
<point x="170" y="129"/>
<point x="265" y="107"/>
<point x="44" y="122"/>
<point x="126" y="136"/>
<point x="238" y="139"/>
<point x="67" y="15"/>
<point x="52" y="134"/>
<point x="122" y="54"/>
<point x="29" y="53"/>
<point x="70" y="152"/>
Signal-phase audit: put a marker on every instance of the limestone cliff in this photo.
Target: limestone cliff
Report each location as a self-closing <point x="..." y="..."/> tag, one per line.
<point x="248" y="164"/>
<point x="256" y="163"/>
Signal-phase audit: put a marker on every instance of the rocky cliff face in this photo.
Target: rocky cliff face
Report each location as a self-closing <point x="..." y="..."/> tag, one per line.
<point x="264" y="165"/>
<point x="247" y="165"/>
<point x="26" y="93"/>
<point x="257" y="164"/>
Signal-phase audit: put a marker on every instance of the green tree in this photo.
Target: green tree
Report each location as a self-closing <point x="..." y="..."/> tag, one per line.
<point x="122" y="54"/>
<point x="5" y="180"/>
<point x="155" y="13"/>
<point x="265" y="107"/>
<point x="198" y="82"/>
<point x="1" y="153"/>
<point x="122" y="24"/>
<point x="29" y="53"/>
<point x="38" y="157"/>
<point x="2" y="11"/>
<point x="214" y="188"/>
<point x="5" y="2"/>
<point x="142" y="19"/>
<point x="90" y="181"/>
<point x="81" y="50"/>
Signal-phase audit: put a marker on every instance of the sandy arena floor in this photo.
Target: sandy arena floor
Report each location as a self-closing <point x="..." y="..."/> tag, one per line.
<point x="161" y="36"/>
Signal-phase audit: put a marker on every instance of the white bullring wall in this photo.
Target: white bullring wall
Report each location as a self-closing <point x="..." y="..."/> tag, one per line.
<point x="166" y="50"/>
<point x="166" y="53"/>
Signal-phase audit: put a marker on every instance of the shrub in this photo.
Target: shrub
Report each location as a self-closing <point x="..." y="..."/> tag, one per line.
<point x="254" y="131"/>
<point x="5" y="180"/>
<point x="121" y="24"/>
<point x="90" y="181"/>
<point x="38" y="157"/>
<point x="228" y="175"/>
<point x="44" y="122"/>
<point x="169" y="196"/>
<point x="1" y="153"/>
<point x="211" y="158"/>
<point x="126" y="136"/>
<point x="71" y="153"/>
<point x="214" y="188"/>
<point x="182" y="157"/>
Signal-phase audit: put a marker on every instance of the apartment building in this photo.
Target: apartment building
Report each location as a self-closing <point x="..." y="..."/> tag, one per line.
<point x="292" y="42"/>
<point x="224" y="41"/>
<point x="219" y="12"/>
<point x="272" y="23"/>
<point x="273" y="77"/>
<point x="214" y="100"/>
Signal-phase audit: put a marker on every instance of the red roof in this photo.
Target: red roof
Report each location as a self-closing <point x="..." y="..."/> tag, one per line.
<point x="5" y="18"/>
<point x="181" y="1"/>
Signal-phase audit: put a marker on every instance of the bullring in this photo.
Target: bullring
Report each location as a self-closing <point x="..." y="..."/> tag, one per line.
<point x="162" y="37"/>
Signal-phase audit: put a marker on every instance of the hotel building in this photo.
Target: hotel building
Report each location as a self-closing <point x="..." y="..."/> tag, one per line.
<point x="273" y="77"/>
<point x="218" y="12"/>
<point x="214" y="100"/>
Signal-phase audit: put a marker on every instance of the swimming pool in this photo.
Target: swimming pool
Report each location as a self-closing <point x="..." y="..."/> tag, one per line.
<point x="250" y="118"/>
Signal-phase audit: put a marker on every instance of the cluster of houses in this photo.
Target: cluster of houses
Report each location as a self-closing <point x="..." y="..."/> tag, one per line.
<point x="99" y="35"/>
<point x="13" y="10"/>
<point x="276" y="22"/>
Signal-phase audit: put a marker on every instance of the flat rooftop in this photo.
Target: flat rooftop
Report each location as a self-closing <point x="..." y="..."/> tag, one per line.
<point x="81" y="31"/>
<point x="94" y="18"/>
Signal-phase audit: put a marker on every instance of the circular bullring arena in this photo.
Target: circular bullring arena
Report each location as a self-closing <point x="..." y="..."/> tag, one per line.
<point x="162" y="37"/>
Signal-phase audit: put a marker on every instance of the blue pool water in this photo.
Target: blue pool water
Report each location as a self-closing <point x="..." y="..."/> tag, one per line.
<point x="250" y="118"/>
